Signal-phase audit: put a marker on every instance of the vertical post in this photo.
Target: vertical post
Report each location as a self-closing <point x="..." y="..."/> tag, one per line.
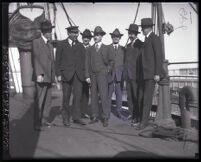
<point x="163" y="116"/>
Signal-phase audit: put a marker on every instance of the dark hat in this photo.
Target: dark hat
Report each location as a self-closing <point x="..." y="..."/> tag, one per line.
<point x="46" y="25"/>
<point x="99" y="30"/>
<point x="86" y="34"/>
<point x="116" y="33"/>
<point x="133" y="28"/>
<point x="146" y="22"/>
<point x="72" y="28"/>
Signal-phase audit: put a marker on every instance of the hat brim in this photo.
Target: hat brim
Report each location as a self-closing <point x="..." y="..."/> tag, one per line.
<point x="133" y="31"/>
<point x="87" y="36"/>
<point x="46" y="28"/>
<point x="145" y="26"/>
<point x="120" y="35"/>
<point x="101" y="33"/>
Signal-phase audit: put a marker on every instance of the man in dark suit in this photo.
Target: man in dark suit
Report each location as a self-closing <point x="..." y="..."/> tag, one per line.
<point x="131" y="57"/>
<point x="70" y="69"/>
<point x="86" y="38"/>
<point x="43" y="74"/>
<point x="115" y="78"/>
<point x="151" y="69"/>
<point x="98" y="64"/>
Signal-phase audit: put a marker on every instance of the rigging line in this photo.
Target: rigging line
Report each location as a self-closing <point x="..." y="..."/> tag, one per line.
<point x="193" y="7"/>
<point x="134" y="19"/>
<point x="48" y="11"/>
<point x="54" y="21"/>
<point x="66" y="13"/>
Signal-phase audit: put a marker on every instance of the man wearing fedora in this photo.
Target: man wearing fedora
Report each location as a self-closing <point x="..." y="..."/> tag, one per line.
<point x="70" y="70"/>
<point x="132" y="53"/>
<point x="86" y="38"/>
<point x="115" y="78"/>
<point x="43" y="74"/>
<point x="151" y="69"/>
<point x="99" y="64"/>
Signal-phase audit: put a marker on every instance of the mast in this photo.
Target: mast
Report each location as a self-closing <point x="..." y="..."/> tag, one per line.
<point x="163" y="116"/>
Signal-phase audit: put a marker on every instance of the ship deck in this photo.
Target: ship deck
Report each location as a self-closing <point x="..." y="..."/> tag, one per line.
<point x="118" y="140"/>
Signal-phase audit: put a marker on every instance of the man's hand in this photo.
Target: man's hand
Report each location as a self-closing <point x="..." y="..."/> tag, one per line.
<point x="88" y="80"/>
<point x="59" y="78"/>
<point x="40" y="78"/>
<point x="156" y="78"/>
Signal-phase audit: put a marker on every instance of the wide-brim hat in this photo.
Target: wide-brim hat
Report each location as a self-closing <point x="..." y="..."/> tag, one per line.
<point x="146" y="22"/>
<point x="46" y="25"/>
<point x="99" y="30"/>
<point x="86" y="34"/>
<point x="116" y="33"/>
<point x="72" y="29"/>
<point x="133" y="28"/>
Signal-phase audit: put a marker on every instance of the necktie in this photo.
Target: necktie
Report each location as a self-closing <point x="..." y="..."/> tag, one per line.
<point x="115" y="47"/>
<point x="96" y="46"/>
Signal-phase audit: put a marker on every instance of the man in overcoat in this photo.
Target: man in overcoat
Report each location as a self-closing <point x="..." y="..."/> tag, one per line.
<point x="43" y="74"/>
<point x="151" y="69"/>
<point x="133" y="50"/>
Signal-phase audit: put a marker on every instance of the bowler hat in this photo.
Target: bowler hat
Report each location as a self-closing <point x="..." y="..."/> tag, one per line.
<point x="116" y="33"/>
<point x="146" y="22"/>
<point x="46" y="25"/>
<point x="99" y="30"/>
<point x="86" y="34"/>
<point x="133" y="28"/>
<point x="72" y="29"/>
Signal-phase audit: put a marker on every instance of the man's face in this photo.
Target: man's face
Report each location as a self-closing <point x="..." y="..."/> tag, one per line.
<point x="86" y="41"/>
<point x="48" y="35"/>
<point x="73" y="35"/>
<point x="98" y="38"/>
<point x="132" y="35"/>
<point x="116" y="39"/>
<point x="145" y="31"/>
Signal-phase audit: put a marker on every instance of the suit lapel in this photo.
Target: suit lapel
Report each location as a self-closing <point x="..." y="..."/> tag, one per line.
<point x="46" y="50"/>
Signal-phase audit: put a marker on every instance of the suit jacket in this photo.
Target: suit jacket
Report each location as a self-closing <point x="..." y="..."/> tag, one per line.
<point x="131" y="59"/>
<point x="118" y="57"/>
<point x="70" y="60"/>
<point x="43" y="60"/>
<point x="106" y="59"/>
<point x="152" y="57"/>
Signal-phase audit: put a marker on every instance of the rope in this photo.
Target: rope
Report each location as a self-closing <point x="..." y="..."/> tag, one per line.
<point x="193" y="7"/>
<point x="54" y="21"/>
<point x="66" y="14"/>
<point x="134" y="19"/>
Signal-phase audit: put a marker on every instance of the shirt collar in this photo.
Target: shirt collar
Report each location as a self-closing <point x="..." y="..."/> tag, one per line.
<point x="45" y="39"/>
<point x="117" y="45"/>
<point x="70" y="41"/>
<point x="86" y="46"/>
<point x="99" y="44"/>
<point x="149" y="34"/>
<point x="134" y="41"/>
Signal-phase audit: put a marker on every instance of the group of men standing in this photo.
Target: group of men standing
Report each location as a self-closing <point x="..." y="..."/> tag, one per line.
<point x="99" y="68"/>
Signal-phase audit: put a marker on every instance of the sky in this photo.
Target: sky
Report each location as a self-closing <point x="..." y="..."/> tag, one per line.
<point x="180" y="46"/>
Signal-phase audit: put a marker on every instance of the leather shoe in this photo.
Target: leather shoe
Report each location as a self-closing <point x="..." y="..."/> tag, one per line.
<point x="38" y="128"/>
<point x="79" y="121"/>
<point x="66" y="122"/>
<point x="105" y="122"/>
<point x="141" y="126"/>
<point x="85" y="116"/>
<point x="93" y="120"/>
